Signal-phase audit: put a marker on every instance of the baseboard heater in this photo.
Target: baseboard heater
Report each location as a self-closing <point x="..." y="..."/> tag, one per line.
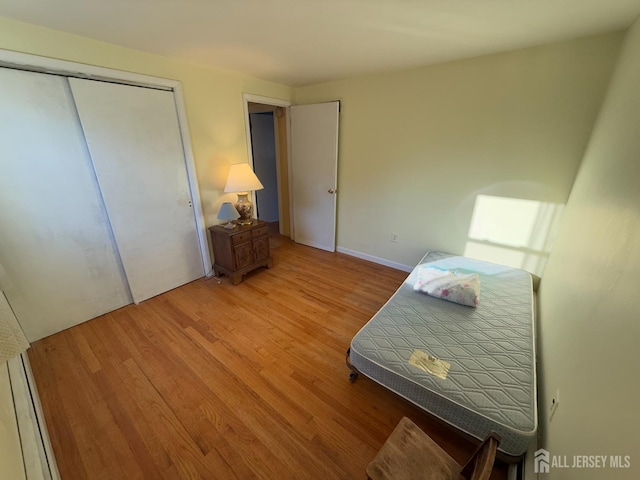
<point x="23" y="431"/>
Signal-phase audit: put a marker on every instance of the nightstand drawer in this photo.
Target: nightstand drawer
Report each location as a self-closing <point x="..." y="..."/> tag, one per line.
<point x="256" y="232"/>
<point x="241" y="237"/>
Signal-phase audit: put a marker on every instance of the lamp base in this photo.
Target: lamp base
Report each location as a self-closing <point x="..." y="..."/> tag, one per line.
<point x="230" y="225"/>
<point x="245" y="209"/>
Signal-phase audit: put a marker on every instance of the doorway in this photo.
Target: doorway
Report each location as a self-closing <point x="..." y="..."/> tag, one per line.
<point x="306" y="144"/>
<point x="267" y="144"/>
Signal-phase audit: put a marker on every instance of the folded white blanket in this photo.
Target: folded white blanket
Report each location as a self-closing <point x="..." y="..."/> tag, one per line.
<point x="454" y="287"/>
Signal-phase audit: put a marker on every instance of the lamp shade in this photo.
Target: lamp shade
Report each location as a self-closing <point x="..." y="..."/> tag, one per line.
<point x="228" y="212"/>
<point x="242" y="179"/>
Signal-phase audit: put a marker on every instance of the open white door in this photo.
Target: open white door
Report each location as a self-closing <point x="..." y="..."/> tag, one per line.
<point x="314" y="170"/>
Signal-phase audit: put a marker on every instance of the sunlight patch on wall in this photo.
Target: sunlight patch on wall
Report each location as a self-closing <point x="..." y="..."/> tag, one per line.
<point x="513" y="231"/>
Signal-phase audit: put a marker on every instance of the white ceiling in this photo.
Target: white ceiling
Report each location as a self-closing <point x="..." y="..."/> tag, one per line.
<point x="302" y="42"/>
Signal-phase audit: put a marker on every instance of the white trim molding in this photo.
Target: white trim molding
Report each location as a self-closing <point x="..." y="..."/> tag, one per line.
<point x="277" y="102"/>
<point x="371" y="258"/>
<point x="26" y="61"/>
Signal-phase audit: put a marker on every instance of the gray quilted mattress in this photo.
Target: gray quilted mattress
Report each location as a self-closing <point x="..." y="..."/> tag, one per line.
<point x="490" y="384"/>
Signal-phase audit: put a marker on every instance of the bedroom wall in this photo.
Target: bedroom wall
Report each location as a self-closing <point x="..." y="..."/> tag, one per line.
<point x="213" y="98"/>
<point x="589" y="302"/>
<point x="501" y="135"/>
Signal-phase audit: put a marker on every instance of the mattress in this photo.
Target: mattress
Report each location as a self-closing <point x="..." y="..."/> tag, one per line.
<point x="490" y="384"/>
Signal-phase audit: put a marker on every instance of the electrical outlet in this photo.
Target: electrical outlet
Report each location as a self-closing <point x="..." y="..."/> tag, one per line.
<point x="555" y="401"/>
<point x="394" y="237"/>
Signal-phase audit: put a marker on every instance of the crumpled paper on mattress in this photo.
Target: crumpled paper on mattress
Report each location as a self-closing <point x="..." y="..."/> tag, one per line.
<point x="462" y="288"/>
<point x="430" y="364"/>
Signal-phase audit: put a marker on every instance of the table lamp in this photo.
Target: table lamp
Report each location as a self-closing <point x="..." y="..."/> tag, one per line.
<point x="228" y="212"/>
<point x="241" y="181"/>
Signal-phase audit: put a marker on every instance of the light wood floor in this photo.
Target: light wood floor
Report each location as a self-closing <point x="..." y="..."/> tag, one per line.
<point x="214" y="381"/>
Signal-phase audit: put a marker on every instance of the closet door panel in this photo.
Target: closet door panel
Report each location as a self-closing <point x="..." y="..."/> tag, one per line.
<point x="134" y="139"/>
<point x="58" y="261"/>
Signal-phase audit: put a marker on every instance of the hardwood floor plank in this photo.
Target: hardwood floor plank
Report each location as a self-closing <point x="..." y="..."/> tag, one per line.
<point x="57" y="422"/>
<point x="292" y="411"/>
<point x="215" y="381"/>
<point x="253" y="413"/>
<point x="189" y="362"/>
<point x="85" y="350"/>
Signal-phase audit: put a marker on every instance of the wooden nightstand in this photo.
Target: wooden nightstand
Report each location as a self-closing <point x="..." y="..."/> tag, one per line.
<point x="240" y="250"/>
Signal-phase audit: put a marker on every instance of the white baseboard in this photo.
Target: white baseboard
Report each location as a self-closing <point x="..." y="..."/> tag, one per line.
<point x="371" y="258"/>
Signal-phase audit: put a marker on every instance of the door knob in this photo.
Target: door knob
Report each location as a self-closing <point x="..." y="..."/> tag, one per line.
<point x="331" y="190"/>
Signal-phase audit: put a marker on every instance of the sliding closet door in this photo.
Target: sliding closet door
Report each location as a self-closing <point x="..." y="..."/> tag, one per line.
<point x="58" y="261"/>
<point x="134" y="139"/>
